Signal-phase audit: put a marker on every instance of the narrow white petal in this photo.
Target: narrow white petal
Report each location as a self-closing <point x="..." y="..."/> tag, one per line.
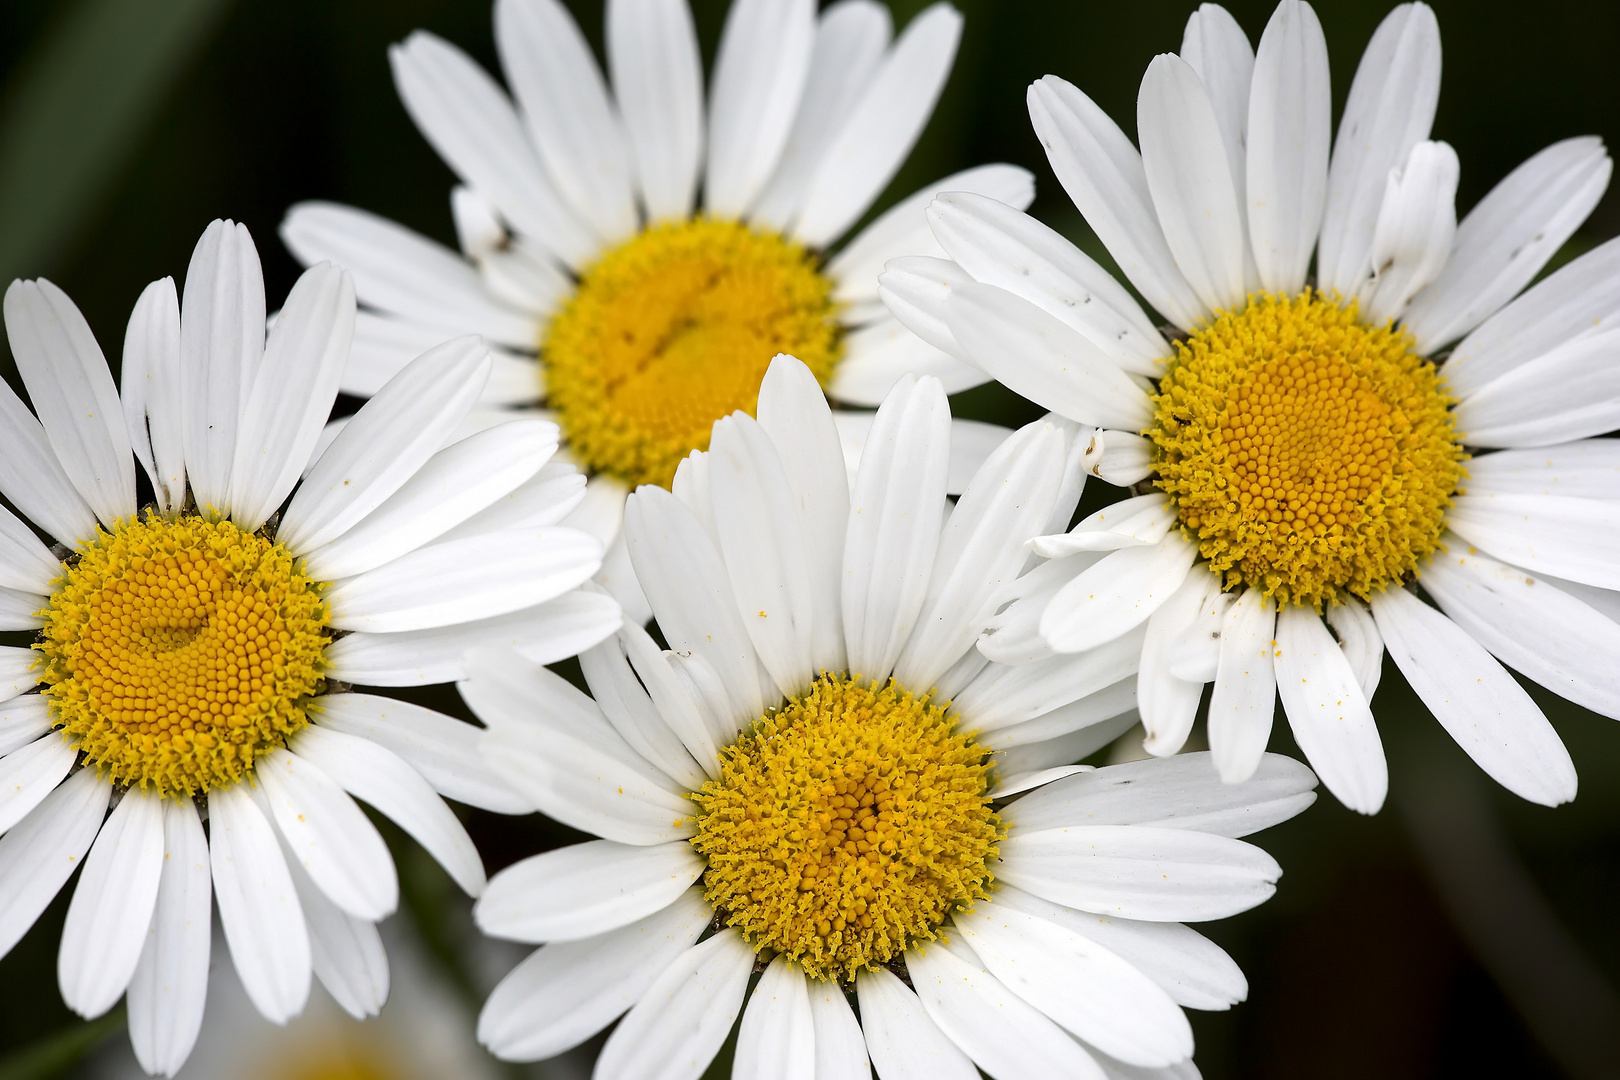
<point x="759" y="77"/>
<point x="1217" y="49"/>
<point x="840" y="1045"/>
<point x="1360" y="642"/>
<point x="585" y="889"/>
<point x="1002" y="695"/>
<point x="1327" y="711"/>
<point x="1070" y="732"/>
<point x="1587" y="469"/>
<point x="1168" y="704"/>
<point x="471" y="123"/>
<point x="34" y="480"/>
<point x="1476" y="701"/>
<point x="170" y="986"/>
<point x="1138" y="521"/>
<point x="1103" y="174"/>
<point x="880" y="354"/>
<point x="112" y="906"/>
<point x="23" y="720"/>
<point x="41" y="853"/>
<point x="19" y="671"/>
<point x="1415" y="234"/>
<point x="882" y="126"/>
<point x="1126" y="458"/>
<point x="549" y="497"/>
<point x="1389" y="111"/>
<point x="25" y="563"/>
<point x="652" y="53"/>
<point x="677" y="1027"/>
<point x="676" y="706"/>
<point x="376" y="775"/>
<point x="1117" y="594"/>
<point x="73" y="393"/>
<point x="566" y="992"/>
<point x="18" y="610"/>
<point x="777" y="1040"/>
<point x="917" y="291"/>
<point x="258" y="905"/>
<point x="149" y="386"/>
<point x="1290" y="119"/>
<point x="28" y="775"/>
<point x="1245" y="694"/>
<point x="904" y="1044"/>
<point x="1556" y="534"/>
<point x="1568" y="392"/>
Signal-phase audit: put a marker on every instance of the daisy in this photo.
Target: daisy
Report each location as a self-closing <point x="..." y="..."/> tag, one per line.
<point x="633" y="311"/>
<point x="1311" y="456"/>
<point x="812" y="783"/>
<point x="191" y="652"/>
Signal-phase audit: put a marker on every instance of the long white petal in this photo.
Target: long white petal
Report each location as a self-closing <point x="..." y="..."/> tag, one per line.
<point x="346" y="953"/>
<point x="1168" y="704"/>
<point x="1569" y="392"/>
<point x="28" y="775"/>
<point x="1476" y="701"/>
<point x="840" y="1045"/>
<point x="1327" y="711"/>
<point x="904" y="1044"/>
<point x="881" y="353"/>
<point x="149" y="386"/>
<point x="1587" y="469"/>
<point x="759" y="77"/>
<point x="170" y="986"/>
<point x="1005" y="695"/>
<point x="25" y="564"/>
<point x="22" y="721"/>
<point x="1359" y="641"/>
<point x="41" y="853"/>
<point x="1217" y="49"/>
<point x="1559" y="535"/>
<point x="585" y="889"/>
<point x="1245" y="694"/>
<point x="34" y="480"/>
<point x="1117" y="594"/>
<point x="777" y="1039"/>
<point x="1417" y="226"/>
<point x="652" y="51"/>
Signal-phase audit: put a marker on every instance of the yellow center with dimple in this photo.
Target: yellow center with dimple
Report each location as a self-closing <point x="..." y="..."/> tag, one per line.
<point x="177" y="652"/>
<point x="674" y="329"/>
<point x="1305" y="452"/>
<point x="847" y="826"/>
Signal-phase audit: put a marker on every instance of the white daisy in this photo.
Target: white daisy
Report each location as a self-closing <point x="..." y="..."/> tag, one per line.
<point x="188" y="651"/>
<point x="1302" y="446"/>
<point x="792" y="789"/>
<point x="637" y="313"/>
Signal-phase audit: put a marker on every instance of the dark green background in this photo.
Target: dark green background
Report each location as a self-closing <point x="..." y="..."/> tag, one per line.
<point x="1461" y="932"/>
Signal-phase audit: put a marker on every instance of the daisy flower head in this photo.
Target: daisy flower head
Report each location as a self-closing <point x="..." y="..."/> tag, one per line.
<point x="637" y="257"/>
<point x="192" y="653"/>
<point x="812" y="783"/>
<point x="1313" y="453"/>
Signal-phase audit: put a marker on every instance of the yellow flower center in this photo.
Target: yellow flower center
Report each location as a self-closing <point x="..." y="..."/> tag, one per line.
<point x="846" y="826"/>
<point x="1305" y="452"/>
<point x="674" y="329"/>
<point x="177" y="652"/>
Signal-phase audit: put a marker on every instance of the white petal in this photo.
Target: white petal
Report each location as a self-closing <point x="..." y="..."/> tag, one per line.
<point x="1191" y="181"/>
<point x="1245" y="694"/>
<point x="904" y="1044"/>
<point x="378" y="776"/>
<point x="917" y="291"/>
<point x="1217" y="49"/>
<point x="794" y="413"/>
<point x="452" y="486"/>
<point x="221" y="342"/>
<point x="549" y="497"/>
<point x="403" y="273"/>
<point x="1140" y="872"/>
<point x="1079" y="984"/>
<point x="759" y="76"/>
<point x="1566" y="393"/>
<point x="1134" y="522"/>
<point x="566" y="992"/>
<point x="1192" y="969"/>
<point x="565" y="105"/>
<point x="1508" y="237"/>
<point x="1006" y="695"/>
<point x="1180" y="792"/>
<point x="1562" y="536"/>
<point x="258" y="907"/>
<point x="288" y="401"/>
<point x="346" y="953"/>
<point x="1328" y="712"/>
<point x="777" y="1039"/>
<point x="997" y="245"/>
<point x="1037" y="356"/>
<point x="1071" y="732"/>
<point x="1588" y="469"/>
<point x="462" y="112"/>
<point x="1476" y="701"/>
<point x="1417" y="225"/>
<point x="882" y="127"/>
<point x="1389" y="111"/>
<point x="1126" y="458"/>
<point x="73" y="393"/>
<point x="444" y="750"/>
<point x="1168" y="704"/>
<point x="34" y="480"/>
<point x="23" y="720"/>
<point x="686" y="582"/>
<point x="894" y="525"/>
<point x="112" y="906"/>
<point x="28" y="775"/>
<point x="1003" y="1034"/>
<point x="850" y="41"/>
<point x="585" y="889"/>
<point x="1103" y="174"/>
<point x="1542" y="631"/>
<point x="545" y="633"/>
<point x="170" y="986"/>
<point x="906" y="229"/>
<point x="1290" y="118"/>
<point x="1359" y="641"/>
<point x="25" y="563"/>
<point x="41" y="853"/>
<point x="1117" y="594"/>
<point x="879" y="354"/>
<point x="149" y="386"/>
<point x="840" y="1045"/>
<point x="676" y="1028"/>
<point x="1574" y="301"/>
<point x="19" y="671"/>
<point x="676" y="706"/>
<point x="652" y="52"/>
<point x="385" y="443"/>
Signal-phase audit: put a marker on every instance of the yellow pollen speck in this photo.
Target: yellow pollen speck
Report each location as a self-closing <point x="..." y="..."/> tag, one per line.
<point x="674" y="329"/>
<point x="1305" y="452"/>
<point x="177" y="652"/>
<point x="845" y="827"/>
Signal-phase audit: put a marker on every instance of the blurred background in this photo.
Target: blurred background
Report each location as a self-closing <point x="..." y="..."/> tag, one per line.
<point x="1461" y="932"/>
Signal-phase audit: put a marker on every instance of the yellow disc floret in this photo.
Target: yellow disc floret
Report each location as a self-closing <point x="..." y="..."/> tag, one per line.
<point x="1305" y="452"/>
<point x="674" y="329"/>
<point x="179" y="651"/>
<point x="846" y="826"/>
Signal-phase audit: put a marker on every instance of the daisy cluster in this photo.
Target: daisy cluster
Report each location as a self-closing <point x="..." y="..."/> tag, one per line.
<point x="677" y="409"/>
